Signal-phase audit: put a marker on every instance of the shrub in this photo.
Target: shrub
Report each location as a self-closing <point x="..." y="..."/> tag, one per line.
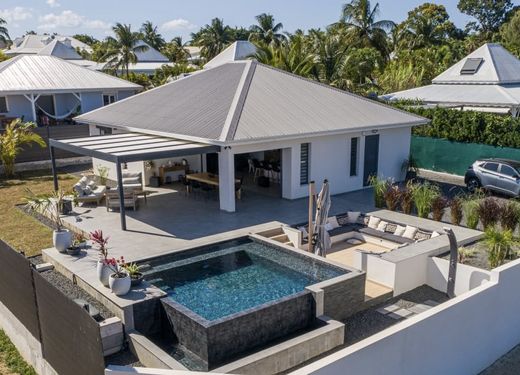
<point x="471" y="213"/>
<point x="489" y="211"/>
<point x="510" y="216"/>
<point x="464" y="253"/>
<point x="406" y="199"/>
<point x="438" y="206"/>
<point x="423" y="196"/>
<point x="392" y="197"/>
<point x="499" y="245"/>
<point x="380" y="186"/>
<point x="456" y="210"/>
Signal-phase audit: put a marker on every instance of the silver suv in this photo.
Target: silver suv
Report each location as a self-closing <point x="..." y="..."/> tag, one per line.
<point x="500" y="175"/>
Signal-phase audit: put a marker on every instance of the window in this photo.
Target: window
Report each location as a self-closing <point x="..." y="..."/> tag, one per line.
<point x="493" y="167"/>
<point x="103" y="130"/>
<point x="353" y="155"/>
<point x="506" y="170"/>
<point x="3" y="105"/>
<point x="471" y="66"/>
<point x="108" y="99"/>
<point x="304" y="163"/>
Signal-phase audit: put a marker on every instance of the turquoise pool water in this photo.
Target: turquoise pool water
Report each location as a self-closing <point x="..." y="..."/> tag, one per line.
<point x="236" y="276"/>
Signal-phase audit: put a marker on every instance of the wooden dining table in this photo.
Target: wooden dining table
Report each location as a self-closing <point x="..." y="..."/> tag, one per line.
<point x="206" y="178"/>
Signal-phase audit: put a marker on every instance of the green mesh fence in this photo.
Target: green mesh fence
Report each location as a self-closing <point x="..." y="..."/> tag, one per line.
<point x="454" y="157"/>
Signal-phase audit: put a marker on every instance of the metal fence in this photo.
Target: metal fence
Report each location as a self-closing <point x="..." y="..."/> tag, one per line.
<point x="37" y="153"/>
<point x="70" y="338"/>
<point x="442" y="155"/>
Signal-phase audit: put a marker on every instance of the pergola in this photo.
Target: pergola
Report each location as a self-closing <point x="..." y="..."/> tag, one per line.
<point x="124" y="148"/>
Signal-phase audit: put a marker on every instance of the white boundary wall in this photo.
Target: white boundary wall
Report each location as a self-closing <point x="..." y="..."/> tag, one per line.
<point x="462" y="336"/>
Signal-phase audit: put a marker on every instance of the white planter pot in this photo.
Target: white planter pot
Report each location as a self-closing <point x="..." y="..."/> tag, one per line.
<point x="61" y="240"/>
<point x="103" y="272"/>
<point x="120" y="286"/>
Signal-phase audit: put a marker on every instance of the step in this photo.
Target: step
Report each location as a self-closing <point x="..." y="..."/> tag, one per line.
<point x="271" y="232"/>
<point x="289" y="243"/>
<point x="376" y="293"/>
<point x="280" y="238"/>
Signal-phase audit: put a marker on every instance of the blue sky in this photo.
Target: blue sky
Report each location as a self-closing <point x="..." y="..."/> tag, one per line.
<point x="177" y="17"/>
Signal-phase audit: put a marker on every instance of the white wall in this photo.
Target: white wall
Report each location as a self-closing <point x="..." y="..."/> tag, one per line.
<point x="468" y="277"/>
<point x="462" y="336"/>
<point x="19" y="106"/>
<point x="394" y="148"/>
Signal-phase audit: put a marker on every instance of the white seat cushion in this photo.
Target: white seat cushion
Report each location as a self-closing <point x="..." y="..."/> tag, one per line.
<point x="353" y="216"/>
<point x="382" y="226"/>
<point x="399" y="230"/>
<point x="333" y="222"/>
<point x="373" y="222"/>
<point x="410" y="232"/>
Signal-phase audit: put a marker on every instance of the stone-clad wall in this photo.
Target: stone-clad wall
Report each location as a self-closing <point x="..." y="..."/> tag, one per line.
<point x="221" y="340"/>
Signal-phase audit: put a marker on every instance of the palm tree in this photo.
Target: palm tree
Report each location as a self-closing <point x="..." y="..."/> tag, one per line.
<point x="4" y="34"/>
<point x="359" y="18"/>
<point x="213" y="38"/>
<point x="176" y="50"/>
<point x="266" y="31"/>
<point x="151" y="36"/>
<point x="289" y="56"/>
<point x="331" y="53"/>
<point x="123" y="48"/>
<point x="16" y="135"/>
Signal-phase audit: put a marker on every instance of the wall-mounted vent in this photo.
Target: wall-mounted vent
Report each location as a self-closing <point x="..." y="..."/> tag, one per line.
<point x="471" y="66"/>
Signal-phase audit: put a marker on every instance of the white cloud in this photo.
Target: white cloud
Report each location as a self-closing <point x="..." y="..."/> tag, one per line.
<point x="15" y="14"/>
<point x="177" y="24"/>
<point x="53" y="3"/>
<point x="70" y="19"/>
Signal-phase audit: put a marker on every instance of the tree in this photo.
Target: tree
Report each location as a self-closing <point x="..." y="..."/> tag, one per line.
<point x="330" y="53"/>
<point x="16" y="135"/>
<point x="175" y="51"/>
<point x="267" y="31"/>
<point x="4" y="34"/>
<point x="359" y="18"/>
<point x="428" y="24"/>
<point x="151" y="36"/>
<point x="490" y="14"/>
<point x="510" y="32"/>
<point x="213" y="38"/>
<point x="87" y="39"/>
<point x="122" y="49"/>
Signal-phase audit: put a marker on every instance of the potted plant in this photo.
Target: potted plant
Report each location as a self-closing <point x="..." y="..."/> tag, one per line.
<point x="102" y="174"/>
<point x="136" y="277"/>
<point x="410" y="168"/>
<point x="51" y="206"/>
<point x="78" y="242"/>
<point x="119" y="280"/>
<point x="103" y="268"/>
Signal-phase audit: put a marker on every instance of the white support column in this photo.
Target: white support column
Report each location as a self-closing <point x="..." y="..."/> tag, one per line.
<point x="287" y="173"/>
<point x="226" y="171"/>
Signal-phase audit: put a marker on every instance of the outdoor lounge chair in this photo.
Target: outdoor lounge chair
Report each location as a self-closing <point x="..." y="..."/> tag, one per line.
<point x="88" y="192"/>
<point x="112" y="200"/>
<point x="132" y="181"/>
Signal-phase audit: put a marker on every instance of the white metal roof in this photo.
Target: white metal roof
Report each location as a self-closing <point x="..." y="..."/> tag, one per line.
<point x="38" y="74"/>
<point x="128" y="147"/>
<point x="239" y="50"/>
<point x="61" y="50"/>
<point x="150" y="55"/>
<point x="247" y="102"/>
<point x="498" y="67"/>
<point x="32" y="44"/>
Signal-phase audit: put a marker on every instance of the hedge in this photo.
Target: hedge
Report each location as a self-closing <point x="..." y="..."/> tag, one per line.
<point x="474" y="127"/>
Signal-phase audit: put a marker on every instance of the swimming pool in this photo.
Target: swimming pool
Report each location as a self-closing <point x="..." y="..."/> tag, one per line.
<point x="237" y="276"/>
<point x="226" y="299"/>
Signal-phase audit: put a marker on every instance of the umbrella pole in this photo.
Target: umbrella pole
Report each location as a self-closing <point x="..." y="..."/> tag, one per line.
<point x="311" y="214"/>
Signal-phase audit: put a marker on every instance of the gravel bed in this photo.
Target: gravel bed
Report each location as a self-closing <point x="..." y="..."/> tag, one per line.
<point x="71" y="290"/>
<point x="123" y="358"/>
<point x="509" y="364"/>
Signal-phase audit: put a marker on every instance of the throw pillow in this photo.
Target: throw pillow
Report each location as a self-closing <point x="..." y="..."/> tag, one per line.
<point x="83" y="181"/>
<point x="333" y="222"/>
<point x="354" y="241"/>
<point x="87" y="190"/>
<point x="78" y="189"/>
<point x="373" y="222"/>
<point x="353" y="216"/>
<point x="410" y="232"/>
<point x="435" y="234"/>
<point x="92" y="185"/>
<point x="382" y="226"/>
<point x="305" y="234"/>
<point x="399" y="230"/>
<point x="328" y="227"/>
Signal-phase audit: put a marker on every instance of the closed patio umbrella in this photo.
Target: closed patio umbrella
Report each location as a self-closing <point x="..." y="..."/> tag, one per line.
<point x="321" y="236"/>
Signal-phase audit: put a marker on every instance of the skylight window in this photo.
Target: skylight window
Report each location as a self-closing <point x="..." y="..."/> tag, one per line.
<point x="471" y="66"/>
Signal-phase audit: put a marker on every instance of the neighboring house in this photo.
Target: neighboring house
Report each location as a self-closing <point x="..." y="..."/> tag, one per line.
<point x="35" y="85"/>
<point x="243" y="108"/>
<point x="33" y="44"/>
<point x="237" y="51"/>
<point x="486" y="80"/>
<point x="194" y="52"/>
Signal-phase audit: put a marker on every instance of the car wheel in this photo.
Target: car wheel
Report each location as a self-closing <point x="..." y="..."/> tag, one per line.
<point x="473" y="184"/>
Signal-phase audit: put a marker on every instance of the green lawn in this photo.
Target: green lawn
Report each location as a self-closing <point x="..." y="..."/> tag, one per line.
<point x="20" y="230"/>
<point x="10" y="360"/>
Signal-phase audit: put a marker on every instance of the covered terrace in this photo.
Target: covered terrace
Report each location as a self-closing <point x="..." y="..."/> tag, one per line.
<point x="131" y="147"/>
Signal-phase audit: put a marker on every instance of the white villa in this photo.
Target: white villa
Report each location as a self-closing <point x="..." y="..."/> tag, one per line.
<point x="35" y="85"/>
<point x="224" y="116"/>
<point x="33" y="44"/>
<point x="486" y="80"/>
